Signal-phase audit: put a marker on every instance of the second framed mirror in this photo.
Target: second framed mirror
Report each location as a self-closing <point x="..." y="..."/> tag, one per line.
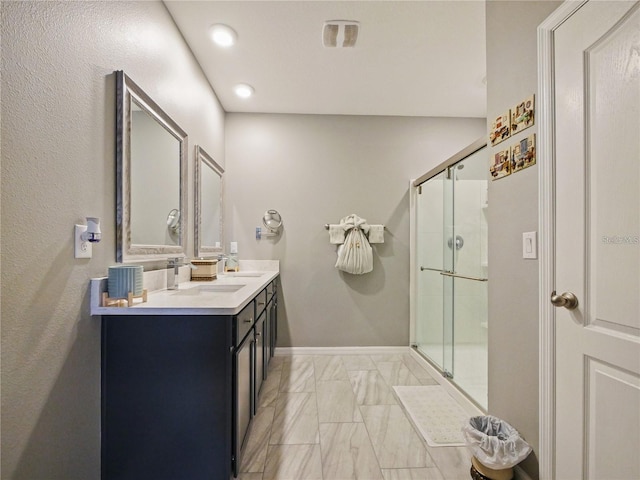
<point x="209" y="194"/>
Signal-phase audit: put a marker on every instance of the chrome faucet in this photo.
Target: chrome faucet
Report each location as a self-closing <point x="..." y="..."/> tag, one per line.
<point x="173" y="270"/>
<point x="222" y="260"/>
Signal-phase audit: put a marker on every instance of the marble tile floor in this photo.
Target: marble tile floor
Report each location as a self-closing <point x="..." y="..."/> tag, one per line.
<point x="335" y="417"/>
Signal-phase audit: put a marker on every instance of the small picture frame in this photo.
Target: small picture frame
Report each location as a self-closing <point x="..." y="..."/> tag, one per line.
<point x="523" y="115"/>
<point x="500" y="128"/>
<point x="523" y="153"/>
<point x="501" y="165"/>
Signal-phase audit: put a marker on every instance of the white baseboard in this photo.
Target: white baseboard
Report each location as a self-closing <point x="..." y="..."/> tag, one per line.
<point x="287" y="351"/>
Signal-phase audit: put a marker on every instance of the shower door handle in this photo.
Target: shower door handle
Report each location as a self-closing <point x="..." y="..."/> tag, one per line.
<point x="455" y="275"/>
<point x="422" y="269"/>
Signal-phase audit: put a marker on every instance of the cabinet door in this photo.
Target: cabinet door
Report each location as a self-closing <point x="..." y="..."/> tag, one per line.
<point x="267" y="340"/>
<point x="261" y="350"/>
<point x="243" y="402"/>
<point x="273" y="325"/>
<point x="166" y="397"/>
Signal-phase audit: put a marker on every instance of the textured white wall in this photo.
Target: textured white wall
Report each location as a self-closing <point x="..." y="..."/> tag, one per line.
<point x="513" y="209"/>
<point x="316" y="170"/>
<point x="58" y="166"/>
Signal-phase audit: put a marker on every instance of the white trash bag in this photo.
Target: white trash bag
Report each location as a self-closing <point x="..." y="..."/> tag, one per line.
<point x="494" y="442"/>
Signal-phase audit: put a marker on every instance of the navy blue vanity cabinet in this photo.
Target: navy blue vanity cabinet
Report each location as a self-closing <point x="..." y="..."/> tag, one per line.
<point x="261" y="343"/>
<point x="261" y="363"/>
<point x="167" y="397"/>
<point x="272" y="317"/>
<point x="179" y="391"/>
<point x="243" y="385"/>
<point x="267" y="340"/>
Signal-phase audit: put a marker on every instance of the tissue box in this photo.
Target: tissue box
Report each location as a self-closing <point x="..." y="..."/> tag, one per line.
<point x="204" y="270"/>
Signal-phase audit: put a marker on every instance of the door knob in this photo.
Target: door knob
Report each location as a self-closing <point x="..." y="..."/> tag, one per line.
<point x="567" y="300"/>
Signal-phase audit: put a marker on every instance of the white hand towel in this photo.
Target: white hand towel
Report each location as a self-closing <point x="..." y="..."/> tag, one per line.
<point x="355" y="255"/>
<point x="354" y="221"/>
<point x="336" y="234"/>
<point x="376" y="233"/>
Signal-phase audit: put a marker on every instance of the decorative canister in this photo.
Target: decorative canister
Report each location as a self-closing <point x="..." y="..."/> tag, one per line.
<point x="204" y="269"/>
<point x="124" y="279"/>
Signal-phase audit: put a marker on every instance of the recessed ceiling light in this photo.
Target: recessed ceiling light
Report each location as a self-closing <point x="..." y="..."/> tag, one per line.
<point x="223" y="35"/>
<point x="243" y="90"/>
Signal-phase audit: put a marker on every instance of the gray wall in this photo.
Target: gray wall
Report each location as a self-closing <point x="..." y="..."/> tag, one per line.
<point x="58" y="166"/>
<point x="513" y="209"/>
<point x="316" y="170"/>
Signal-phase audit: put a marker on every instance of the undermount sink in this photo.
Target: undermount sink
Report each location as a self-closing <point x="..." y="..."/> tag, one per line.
<point x="222" y="288"/>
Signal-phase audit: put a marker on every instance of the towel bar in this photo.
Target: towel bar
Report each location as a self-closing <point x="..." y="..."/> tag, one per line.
<point x="326" y="226"/>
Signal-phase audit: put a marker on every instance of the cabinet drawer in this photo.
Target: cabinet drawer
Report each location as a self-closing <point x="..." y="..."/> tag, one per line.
<point x="243" y="322"/>
<point x="261" y="302"/>
<point x="272" y="289"/>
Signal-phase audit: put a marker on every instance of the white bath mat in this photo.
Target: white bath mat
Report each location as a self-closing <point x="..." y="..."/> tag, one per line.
<point x="434" y="413"/>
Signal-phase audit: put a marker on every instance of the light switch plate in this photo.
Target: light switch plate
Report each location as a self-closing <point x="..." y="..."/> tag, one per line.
<point x="529" y="245"/>
<point x="82" y="248"/>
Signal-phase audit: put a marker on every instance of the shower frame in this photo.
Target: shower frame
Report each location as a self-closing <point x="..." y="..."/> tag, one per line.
<point x="440" y="373"/>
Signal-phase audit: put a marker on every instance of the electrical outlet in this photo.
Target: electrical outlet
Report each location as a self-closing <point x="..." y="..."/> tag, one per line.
<point x="83" y="248"/>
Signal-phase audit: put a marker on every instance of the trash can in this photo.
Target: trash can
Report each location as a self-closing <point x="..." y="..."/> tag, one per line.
<point x="496" y="447"/>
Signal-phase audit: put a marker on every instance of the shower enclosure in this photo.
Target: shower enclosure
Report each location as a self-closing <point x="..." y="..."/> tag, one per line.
<point x="451" y="270"/>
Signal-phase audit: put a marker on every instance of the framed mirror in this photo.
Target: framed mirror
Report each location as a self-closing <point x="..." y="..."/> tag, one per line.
<point x="208" y="205"/>
<point x="151" y="185"/>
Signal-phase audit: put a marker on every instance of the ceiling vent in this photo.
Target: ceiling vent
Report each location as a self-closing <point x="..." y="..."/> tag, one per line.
<point x="340" y="33"/>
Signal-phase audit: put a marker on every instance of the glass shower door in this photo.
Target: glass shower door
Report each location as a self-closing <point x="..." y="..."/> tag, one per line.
<point x="434" y="332"/>
<point x="469" y="246"/>
<point x="451" y="311"/>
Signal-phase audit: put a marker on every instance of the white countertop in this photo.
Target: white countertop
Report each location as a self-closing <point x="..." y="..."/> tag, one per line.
<point x="189" y="298"/>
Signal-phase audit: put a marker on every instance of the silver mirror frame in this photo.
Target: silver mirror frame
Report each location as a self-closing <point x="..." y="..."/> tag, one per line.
<point x="126" y="252"/>
<point x="203" y="157"/>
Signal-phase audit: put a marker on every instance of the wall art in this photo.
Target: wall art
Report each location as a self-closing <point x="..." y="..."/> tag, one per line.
<point x="523" y="153"/>
<point x="522" y="115"/>
<point x="500" y="129"/>
<point x="501" y="165"/>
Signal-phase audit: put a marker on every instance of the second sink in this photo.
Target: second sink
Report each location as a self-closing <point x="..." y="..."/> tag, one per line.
<point x="244" y="274"/>
<point x="219" y="288"/>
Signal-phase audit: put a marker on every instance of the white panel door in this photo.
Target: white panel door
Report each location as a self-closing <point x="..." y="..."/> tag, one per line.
<point x="597" y="250"/>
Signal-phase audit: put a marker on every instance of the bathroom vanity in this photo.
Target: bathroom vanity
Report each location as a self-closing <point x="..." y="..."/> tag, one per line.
<point x="181" y="375"/>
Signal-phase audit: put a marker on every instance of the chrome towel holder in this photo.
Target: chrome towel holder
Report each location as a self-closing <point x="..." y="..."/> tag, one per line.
<point x="326" y="226"/>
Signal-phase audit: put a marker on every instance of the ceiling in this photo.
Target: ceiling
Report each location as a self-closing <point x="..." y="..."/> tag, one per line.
<point x="412" y="58"/>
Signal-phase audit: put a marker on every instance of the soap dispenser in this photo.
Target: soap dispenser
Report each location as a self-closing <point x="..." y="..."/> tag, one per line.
<point x="232" y="261"/>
